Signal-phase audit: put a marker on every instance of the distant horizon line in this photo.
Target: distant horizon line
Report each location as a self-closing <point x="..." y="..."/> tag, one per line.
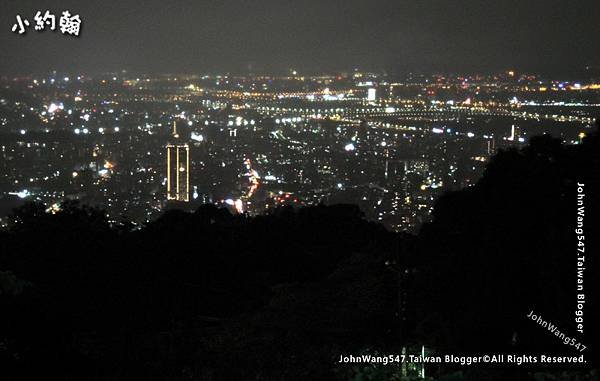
<point x="589" y="70"/>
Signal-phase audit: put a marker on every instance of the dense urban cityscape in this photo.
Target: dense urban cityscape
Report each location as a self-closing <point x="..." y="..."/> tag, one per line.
<point x="138" y="144"/>
<point x="386" y="190"/>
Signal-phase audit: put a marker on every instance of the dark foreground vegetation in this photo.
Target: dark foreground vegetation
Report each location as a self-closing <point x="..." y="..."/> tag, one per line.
<point x="214" y="296"/>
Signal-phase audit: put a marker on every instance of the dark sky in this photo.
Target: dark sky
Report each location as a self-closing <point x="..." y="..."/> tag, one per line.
<point x="322" y="35"/>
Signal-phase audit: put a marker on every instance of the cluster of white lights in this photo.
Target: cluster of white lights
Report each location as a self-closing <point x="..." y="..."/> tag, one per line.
<point x="237" y="204"/>
<point x="288" y="120"/>
<point x="238" y="122"/>
<point x="197" y="137"/>
<point x="53" y="107"/>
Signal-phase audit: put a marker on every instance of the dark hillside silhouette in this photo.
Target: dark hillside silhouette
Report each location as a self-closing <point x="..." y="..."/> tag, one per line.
<point x="214" y="296"/>
<point x="507" y="246"/>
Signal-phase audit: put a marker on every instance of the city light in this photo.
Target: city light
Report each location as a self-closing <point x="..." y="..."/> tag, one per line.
<point x="371" y="94"/>
<point x="394" y="144"/>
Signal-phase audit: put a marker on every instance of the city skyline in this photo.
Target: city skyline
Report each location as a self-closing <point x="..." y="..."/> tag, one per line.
<point x="130" y="142"/>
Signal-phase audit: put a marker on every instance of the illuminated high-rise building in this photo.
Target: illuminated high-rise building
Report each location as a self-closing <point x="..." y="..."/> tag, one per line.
<point x="515" y="134"/>
<point x="178" y="168"/>
<point x="371" y="94"/>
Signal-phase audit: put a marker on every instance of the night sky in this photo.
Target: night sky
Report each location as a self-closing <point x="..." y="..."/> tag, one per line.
<point x="272" y="36"/>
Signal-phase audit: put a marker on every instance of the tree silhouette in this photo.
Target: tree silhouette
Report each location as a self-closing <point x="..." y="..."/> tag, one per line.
<point x="211" y="295"/>
<point x="498" y="250"/>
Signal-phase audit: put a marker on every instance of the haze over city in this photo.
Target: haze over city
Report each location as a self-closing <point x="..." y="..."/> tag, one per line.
<point x="268" y="37"/>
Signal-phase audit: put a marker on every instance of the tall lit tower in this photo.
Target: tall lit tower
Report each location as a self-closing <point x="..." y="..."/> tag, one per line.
<point x="371" y="94"/>
<point x="515" y="133"/>
<point x="178" y="168"/>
